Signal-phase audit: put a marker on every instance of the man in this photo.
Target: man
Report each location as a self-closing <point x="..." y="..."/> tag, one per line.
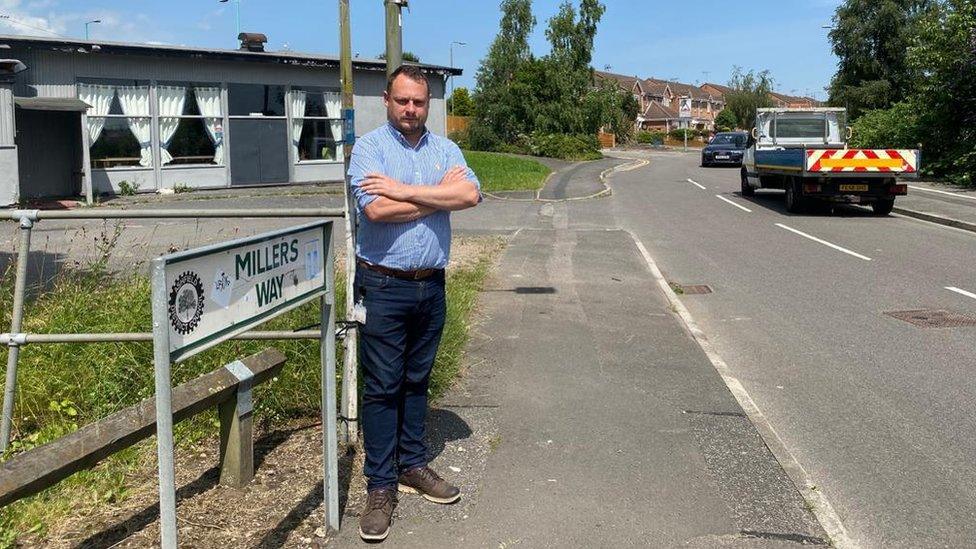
<point x="406" y="182"/>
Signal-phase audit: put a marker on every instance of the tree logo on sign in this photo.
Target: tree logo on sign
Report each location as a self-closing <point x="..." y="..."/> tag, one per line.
<point x="186" y="302"/>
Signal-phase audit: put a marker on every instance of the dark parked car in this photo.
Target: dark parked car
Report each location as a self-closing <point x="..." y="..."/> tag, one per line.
<point x="725" y="148"/>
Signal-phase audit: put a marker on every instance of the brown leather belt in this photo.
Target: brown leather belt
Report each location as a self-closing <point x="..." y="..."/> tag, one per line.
<point x="419" y="274"/>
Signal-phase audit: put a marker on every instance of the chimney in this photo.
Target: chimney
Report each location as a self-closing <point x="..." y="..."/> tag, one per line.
<point x="252" y="41"/>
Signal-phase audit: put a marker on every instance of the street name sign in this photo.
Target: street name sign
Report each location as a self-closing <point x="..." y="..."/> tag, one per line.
<point x="215" y="292"/>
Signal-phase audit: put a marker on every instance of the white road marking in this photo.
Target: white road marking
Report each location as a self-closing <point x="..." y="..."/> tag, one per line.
<point x="805" y="484"/>
<point x="824" y="242"/>
<point x="743" y="208"/>
<point x="960" y="291"/>
<point x="697" y="184"/>
<point x="957" y="195"/>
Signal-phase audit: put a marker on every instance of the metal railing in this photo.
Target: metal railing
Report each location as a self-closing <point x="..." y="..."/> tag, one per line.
<point x="15" y="339"/>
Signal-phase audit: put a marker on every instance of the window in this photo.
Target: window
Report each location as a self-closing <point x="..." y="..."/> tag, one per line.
<point x="117" y="108"/>
<point x="316" y="124"/>
<point x="800" y="127"/>
<point x="190" y="124"/>
<point x="256" y="100"/>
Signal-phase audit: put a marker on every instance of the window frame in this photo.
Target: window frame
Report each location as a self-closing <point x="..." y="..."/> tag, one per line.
<point x="117" y="82"/>
<point x="303" y="118"/>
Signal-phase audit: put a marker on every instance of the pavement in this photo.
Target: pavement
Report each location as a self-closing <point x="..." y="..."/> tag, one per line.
<point x="609" y="427"/>
<point x="939" y="203"/>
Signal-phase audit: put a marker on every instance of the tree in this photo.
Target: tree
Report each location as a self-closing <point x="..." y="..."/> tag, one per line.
<point x="572" y="51"/>
<point x="725" y="121"/>
<point x="871" y="39"/>
<point x="493" y="99"/>
<point x="750" y="92"/>
<point x="460" y="103"/>
<point x="945" y="99"/>
<point x="406" y="56"/>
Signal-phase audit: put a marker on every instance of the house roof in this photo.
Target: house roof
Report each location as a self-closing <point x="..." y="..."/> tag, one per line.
<point x="625" y="82"/>
<point x="657" y="111"/>
<point x="95" y="47"/>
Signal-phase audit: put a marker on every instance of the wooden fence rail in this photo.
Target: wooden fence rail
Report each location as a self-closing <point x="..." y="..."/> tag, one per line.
<point x="34" y="470"/>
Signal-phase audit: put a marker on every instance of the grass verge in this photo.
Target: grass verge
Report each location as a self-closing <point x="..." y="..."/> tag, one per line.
<point x="502" y="172"/>
<point x="62" y="387"/>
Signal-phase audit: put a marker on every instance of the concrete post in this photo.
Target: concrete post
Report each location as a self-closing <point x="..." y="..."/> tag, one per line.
<point x="237" y="431"/>
<point x="9" y="170"/>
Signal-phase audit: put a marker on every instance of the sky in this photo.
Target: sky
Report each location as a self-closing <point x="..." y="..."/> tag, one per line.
<point x="692" y="42"/>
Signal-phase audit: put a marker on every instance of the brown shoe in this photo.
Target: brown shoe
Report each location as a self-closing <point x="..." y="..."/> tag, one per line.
<point x="374" y="522"/>
<point x="424" y="481"/>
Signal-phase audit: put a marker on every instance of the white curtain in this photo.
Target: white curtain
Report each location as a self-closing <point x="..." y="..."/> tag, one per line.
<point x="208" y="101"/>
<point x="100" y="99"/>
<point x="333" y="108"/>
<point x="297" y="119"/>
<point x="135" y="105"/>
<point x="171" y="101"/>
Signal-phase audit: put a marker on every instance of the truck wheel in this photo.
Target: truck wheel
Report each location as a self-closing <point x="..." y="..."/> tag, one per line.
<point x="794" y="198"/>
<point x="747" y="189"/>
<point x="883" y="206"/>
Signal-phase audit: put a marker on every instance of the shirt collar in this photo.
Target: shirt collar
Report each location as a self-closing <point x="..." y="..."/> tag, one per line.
<point x="403" y="140"/>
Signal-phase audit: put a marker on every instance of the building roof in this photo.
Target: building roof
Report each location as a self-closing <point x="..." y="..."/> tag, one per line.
<point x="657" y="111"/>
<point x="655" y="87"/>
<point x="69" y="45"/>
<point x="679" y="89"/>
<point x="625" y="82"/>
<point x="721" y="89"/>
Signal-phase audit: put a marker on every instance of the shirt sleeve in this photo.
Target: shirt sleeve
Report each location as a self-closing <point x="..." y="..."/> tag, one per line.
<point x="456" y="158"/>
<point x="365" y="159"/>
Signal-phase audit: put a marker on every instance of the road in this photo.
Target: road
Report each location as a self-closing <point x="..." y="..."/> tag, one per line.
<point x="878" y="411"/>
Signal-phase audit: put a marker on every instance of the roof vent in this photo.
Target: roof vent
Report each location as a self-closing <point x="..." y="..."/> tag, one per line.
<point x="252" y="41"/>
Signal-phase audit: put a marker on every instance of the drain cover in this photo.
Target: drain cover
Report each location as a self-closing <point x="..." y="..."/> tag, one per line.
<point x="695" y="289"/>
<point x="927" y="318"/>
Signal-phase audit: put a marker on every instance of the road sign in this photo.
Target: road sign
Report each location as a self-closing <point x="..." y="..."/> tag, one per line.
<point x="215" y="292"/>
<point x="684" y="108"/>
<point x="204" y="296"/>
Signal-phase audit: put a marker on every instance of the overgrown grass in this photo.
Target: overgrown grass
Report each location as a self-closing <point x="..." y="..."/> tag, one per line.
<point x="61" y="387"/>
<point x="501" y="172"/>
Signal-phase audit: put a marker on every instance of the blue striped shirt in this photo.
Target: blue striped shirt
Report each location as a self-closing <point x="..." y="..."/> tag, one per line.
<point x="421" y="244"/>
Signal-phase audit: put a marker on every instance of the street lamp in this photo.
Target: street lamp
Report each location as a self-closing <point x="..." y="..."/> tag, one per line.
<point x="89" y="23"/>
<point x="462" y="44"/>
<point x="238" y="2"/>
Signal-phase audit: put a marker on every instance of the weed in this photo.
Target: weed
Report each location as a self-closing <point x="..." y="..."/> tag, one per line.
<point x="127" y="188"/>
<point x="181" y="188"/>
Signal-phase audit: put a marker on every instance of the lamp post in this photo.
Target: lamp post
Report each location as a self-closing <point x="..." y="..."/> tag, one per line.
<point x="89" y="23"/>
<point x="238" y="3"/>
<point x="462" y="44"/>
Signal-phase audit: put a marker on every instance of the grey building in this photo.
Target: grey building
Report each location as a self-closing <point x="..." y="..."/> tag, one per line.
<point x="86" y="117"/>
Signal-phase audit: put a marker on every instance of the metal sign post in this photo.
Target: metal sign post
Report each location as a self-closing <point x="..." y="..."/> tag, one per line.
<point x="205" y="296"/>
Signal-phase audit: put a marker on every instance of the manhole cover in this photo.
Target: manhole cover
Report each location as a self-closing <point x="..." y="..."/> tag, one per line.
<point x="934" y="318"/>
<point x="695" y="289"/>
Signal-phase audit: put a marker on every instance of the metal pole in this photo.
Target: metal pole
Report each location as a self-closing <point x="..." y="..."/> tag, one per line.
<point x="350" y="386"/>
<point x="164" y="409"/>
<point x="100" y="213"/>
<point x="16" y="322"/>
<point x="238" y="17"/>
<point x="394" y="36"/>
<point x="327" y="352"/>
<point x="451" y="76"/>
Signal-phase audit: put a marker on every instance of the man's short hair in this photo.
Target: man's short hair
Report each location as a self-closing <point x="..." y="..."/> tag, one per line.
<point x="412" y="72"/>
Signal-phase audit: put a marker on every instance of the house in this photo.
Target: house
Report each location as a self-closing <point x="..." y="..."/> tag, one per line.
<point x="779" y="100"/>
<point x="86" y="117"/>
<point x="659" y="102"/>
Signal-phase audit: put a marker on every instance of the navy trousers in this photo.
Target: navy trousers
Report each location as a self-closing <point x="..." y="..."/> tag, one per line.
<point x="397" y="346"/>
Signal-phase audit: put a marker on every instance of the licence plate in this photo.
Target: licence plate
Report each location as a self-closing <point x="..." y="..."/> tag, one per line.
<point x="722" y="157"/>
<point x="854" y="188"/>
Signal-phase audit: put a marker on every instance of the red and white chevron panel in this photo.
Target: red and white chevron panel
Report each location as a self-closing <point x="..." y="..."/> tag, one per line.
<point x="862" y="160"/>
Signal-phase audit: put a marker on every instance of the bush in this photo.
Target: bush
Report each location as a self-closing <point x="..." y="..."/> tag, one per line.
<point x="652" y="138"/>
<point x="897" y="127"/>
<point x="462" y="138"/>
<point x="482" y="138"/>
<point x="725" y="121"/>
<point x="564" y="146"/>
<point x="679" y="134"/>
